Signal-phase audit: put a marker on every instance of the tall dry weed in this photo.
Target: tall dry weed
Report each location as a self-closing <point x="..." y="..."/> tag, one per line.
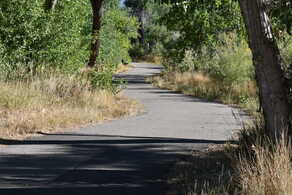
<point x="270" y="172"/>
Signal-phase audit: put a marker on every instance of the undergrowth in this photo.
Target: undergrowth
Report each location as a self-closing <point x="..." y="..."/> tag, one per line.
<point x="254" y="167"/>
<point x="58" y="101"/>
<point x="268" y="173"/>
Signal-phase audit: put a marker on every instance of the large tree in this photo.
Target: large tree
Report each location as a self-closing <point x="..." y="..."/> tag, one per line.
<point x="269" y="68"/>
<point x="96" y="26"/>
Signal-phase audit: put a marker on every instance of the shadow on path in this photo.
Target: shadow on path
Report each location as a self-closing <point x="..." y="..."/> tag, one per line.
<point x="110" y="164"/>
<point x="89" y="164"/>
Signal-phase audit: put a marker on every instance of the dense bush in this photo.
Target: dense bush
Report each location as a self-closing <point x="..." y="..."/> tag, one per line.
<point x="117" y="30"/>
<point x="198" y="24"/>
<point x="230" y="61"/>
<point x="33" y="40"/>
<point x="32" y="37"/>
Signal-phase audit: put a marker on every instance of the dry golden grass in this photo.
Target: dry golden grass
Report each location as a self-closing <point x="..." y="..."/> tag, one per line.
<point x="150" y="59"/>
<point x="217" y="171"/>
<point x="119" y="69"/>
<point x="262" y="167"/>
<point x="123" y="68"/>
<point x="203" y="86"/>
<point x="269" y="174"/>
<point x="57" y="102"/>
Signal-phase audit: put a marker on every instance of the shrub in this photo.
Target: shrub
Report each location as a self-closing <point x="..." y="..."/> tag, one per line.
<point x="117" y="30"/>
<point x="230" y="61"/>
<point x="34" y="42"/>
<point x="33" y="37"/>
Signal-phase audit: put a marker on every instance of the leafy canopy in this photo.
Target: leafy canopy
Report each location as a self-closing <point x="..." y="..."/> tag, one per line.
<point x="199" y="23"/>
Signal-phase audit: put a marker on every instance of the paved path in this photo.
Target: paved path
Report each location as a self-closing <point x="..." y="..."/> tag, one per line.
<point x="130" y="156"/>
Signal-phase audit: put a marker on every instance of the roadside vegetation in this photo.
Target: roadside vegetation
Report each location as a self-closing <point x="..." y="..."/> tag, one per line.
<point x="226" y="76"/>
<point x="44" y="81"/>
<point x="57" y="102"/>
<point x="205" y="53"/>
<point x="252" y="166"/>
<point x="57" y="61"/>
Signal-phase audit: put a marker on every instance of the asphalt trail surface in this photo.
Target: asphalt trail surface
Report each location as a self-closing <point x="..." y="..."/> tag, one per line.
<point x="130" y="156"/>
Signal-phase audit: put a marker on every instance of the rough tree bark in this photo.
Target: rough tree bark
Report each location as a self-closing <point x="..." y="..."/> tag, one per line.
<point x="273" y="90"/>
<point x="96" y="25"/>
<point x="50" y="4"/>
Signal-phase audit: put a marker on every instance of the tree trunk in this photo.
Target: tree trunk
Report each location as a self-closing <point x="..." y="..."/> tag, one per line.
<point x="273" y="90"/>
<point x="96" y="25"/>
<point x="50" y="4"/>
<point x="141" y="29"/>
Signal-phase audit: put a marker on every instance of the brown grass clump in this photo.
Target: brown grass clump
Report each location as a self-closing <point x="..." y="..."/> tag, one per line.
<point x="254" y="167"/>
<point x="263" y="167"/>
<point x="56" y="102"/>
<point x="270" y="173"/>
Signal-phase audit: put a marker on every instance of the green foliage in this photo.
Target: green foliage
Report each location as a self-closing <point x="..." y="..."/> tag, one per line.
<point x="230" y="61"/>
<point x="155" y="33"/>
<point x="281" y="12"/>
<point x="33" y="37"/>
<point x="286" y="49"/>
<point x="34" y="41"/>
<point x="136" y="4"/>
<point x="198" y="23"/>
<point x="103" y="80"/>
<point x="117" y="30"/>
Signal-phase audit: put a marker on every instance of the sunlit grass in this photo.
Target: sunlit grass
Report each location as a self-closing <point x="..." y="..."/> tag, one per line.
<point x="270" y="173"/>
<point x="56" y="102"/>
<point x="123" y="68"/>
<point x="201" y="85"/>
<point x="263" y="167"/>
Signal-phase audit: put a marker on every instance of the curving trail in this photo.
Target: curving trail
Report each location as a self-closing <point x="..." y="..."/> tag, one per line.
<point x="130" y="156"/>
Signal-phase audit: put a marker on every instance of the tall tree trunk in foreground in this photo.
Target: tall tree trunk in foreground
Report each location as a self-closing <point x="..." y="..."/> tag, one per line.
<point x="96" y="25"/>
<point x="50" y="4"/>
<point x="268" y="66"/>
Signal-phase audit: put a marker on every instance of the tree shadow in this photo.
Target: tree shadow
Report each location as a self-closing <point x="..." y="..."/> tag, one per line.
<point x="203" y="172"/>
<point x="102" y="164"/>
